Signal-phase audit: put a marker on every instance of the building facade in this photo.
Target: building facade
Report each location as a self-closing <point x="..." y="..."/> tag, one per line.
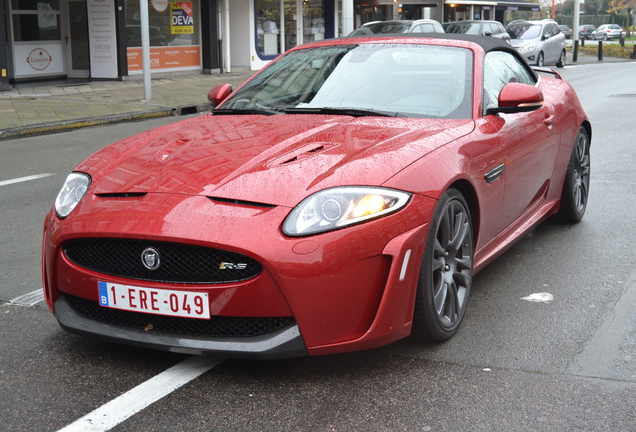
<point x="101" y="39"/>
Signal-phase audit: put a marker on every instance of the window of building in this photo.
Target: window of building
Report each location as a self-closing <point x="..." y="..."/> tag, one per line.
<point x="35" y="20"/>
<point x="170" y="23"/>
<point x="278" y="24"/>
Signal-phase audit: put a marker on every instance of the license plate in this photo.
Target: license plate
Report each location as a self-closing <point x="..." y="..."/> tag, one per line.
<point x="188" y="304"/>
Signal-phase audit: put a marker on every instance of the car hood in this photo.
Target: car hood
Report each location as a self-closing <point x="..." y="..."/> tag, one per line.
<point x="277" y="160"/>
<point x="523" y="42"/>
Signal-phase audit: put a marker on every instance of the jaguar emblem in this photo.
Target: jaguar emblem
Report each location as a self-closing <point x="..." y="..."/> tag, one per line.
<point x="150" y="258"/>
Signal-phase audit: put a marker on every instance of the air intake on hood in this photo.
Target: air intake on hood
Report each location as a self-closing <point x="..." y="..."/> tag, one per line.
<point x="121" y="195"/>
<point x="241" y="202"/>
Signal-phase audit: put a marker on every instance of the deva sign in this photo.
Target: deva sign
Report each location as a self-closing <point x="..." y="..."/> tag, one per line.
<point x="181" y="18"/>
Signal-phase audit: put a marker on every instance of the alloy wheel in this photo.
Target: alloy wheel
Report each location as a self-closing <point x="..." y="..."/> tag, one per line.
<point x="452" y="264"/>
<point x="581" y="165"/>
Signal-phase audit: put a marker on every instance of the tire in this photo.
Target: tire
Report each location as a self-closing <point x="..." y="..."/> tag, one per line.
<point x="540" y="61"/>
<point x="446" y="273"/>
<point x="593" y="36"/>
<point x="576" y="186"/>
<point x="605" y="37"/>
<point x="561" y="62"/>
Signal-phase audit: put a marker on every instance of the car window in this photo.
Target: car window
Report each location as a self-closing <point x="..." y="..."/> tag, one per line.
<point x="524" y="31"/>
<point x="424" y="28"/>
<point x="495" y="29"/>
<point x="501" y="68"/>
<point x="408" y="80"/>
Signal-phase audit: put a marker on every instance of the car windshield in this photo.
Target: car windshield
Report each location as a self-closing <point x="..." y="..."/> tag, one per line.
<point x="524" y="31"/>
<point x="382" y="27"/>
<point x="380" y="79"/>
<point x="465" y="28"/>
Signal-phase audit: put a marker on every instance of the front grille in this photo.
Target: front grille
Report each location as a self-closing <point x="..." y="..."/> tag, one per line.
<point x="217" y="326"/>
<point x="179" y="263"/>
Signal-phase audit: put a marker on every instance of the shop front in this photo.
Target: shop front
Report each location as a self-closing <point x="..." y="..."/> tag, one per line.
<point x="101" y="39"/>
<point x="278" y="25"/>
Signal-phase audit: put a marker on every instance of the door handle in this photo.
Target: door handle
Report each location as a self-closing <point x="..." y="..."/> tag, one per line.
<point x="66" y="39"/>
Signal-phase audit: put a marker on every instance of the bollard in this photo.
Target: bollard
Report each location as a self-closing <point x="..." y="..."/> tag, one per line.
<point x="575" y="51"/>
<point x="600" y="50"/>
<point x="582" y="41"/>
<point x="634" y="53"/>
<point x="622" y="40"/>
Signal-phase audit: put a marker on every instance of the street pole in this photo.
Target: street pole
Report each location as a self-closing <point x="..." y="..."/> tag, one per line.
<point x="575" y="24"/>
<point x="145" y="48"/>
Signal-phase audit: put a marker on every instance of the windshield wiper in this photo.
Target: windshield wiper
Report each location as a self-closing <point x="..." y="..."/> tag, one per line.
<point x="245" y="111"/>
<point x="354" y="112"/>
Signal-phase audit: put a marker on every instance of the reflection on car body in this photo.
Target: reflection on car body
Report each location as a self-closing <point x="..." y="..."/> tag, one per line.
<point x="341" y="199"/>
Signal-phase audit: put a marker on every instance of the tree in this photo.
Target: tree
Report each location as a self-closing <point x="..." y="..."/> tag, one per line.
<point x="617" y="7"/>
<point x="593" y="7"/>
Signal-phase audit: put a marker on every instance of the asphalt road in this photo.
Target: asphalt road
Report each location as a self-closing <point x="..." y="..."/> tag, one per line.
<point x="515" y="365"/>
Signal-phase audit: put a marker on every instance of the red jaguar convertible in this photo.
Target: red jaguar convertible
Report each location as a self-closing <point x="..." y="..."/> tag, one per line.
<point x="341" y="199"/>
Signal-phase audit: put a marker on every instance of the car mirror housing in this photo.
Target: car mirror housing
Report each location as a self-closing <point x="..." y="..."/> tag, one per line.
<point x="517" y="98"/>
<point x="219" y="93"/>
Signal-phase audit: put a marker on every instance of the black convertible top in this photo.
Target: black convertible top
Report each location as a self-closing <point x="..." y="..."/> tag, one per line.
<point x="487" y="43"/>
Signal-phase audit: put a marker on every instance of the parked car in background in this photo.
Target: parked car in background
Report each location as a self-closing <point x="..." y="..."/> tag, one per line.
<point x="398" y="26"/>
<point x="539" y="42"/>
<point x="585" y="31"/>
<point x="478" y="27"/>
<point x="608" y="31"/>
<point x="567" y="31"/>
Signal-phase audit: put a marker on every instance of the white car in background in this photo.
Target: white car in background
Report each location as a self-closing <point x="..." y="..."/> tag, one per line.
<point x="539" y="42"/>
<point x="608" y="31"/>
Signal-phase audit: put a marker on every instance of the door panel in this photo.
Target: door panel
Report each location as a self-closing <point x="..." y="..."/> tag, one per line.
<point x="75" y="38"/>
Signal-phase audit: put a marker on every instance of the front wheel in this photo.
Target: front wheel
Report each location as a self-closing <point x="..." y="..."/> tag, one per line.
<point x="540" y="61"/>
<point x="576" y="187"/>
<point x="446" y="273"/>
<point x="561" y="62"/>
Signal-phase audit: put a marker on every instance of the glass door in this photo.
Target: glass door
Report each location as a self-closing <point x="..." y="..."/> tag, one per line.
<point x="313" y="20"/>
<point x="75" y="38"/>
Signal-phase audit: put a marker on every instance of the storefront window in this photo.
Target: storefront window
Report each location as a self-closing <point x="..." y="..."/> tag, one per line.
<point x="162" y="30"/>
<point x="276" y="28"/>
<point x="174" y="34"/>
<point x="35" y="5"/>
<point x="35" y="20"/>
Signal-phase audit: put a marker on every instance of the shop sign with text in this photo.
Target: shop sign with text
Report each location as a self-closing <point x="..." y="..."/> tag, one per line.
<point x="181" y="16"/>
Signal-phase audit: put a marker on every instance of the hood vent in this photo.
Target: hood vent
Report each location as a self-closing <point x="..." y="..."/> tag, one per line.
<point x="240" y="202"/>
<point x="121" y="195"/>
<point x="300" y="154"/>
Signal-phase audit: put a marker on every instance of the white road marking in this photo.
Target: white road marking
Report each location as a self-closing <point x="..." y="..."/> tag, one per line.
<point x="130" y="403"/>
<point x="29" y="299"/>
<point x="27" y="178"/>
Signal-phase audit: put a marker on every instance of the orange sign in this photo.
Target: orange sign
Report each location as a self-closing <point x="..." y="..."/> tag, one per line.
<point x="165" y="58"/>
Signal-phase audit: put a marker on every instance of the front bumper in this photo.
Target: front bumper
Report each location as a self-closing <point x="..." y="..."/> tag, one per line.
<point x="346" y="290"/>
<point x="280" y="344"/>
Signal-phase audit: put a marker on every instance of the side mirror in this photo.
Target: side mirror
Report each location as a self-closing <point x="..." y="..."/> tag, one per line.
<point x="517" y="98"/>
<point x="219" y="93"/>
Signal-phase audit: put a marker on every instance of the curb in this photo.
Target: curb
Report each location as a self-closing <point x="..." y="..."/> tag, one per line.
<point x="66" y="125"/>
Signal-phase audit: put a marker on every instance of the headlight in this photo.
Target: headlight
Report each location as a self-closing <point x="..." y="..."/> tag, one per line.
<point x="342" y="206"/>
<point x="527" y="48"/>
<point x="73" y="190"/>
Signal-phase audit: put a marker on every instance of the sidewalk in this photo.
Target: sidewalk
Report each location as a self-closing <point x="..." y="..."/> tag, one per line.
<point x="45" y="108"/>
<point x="48" y="108"/>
